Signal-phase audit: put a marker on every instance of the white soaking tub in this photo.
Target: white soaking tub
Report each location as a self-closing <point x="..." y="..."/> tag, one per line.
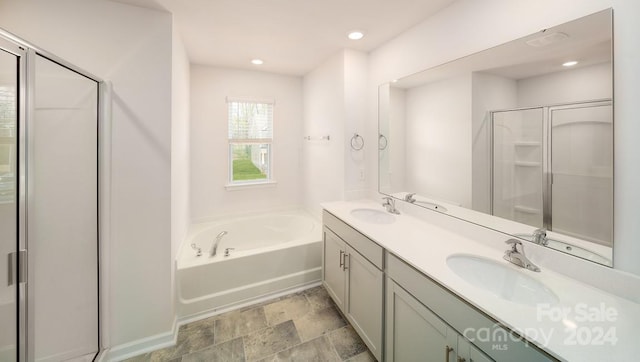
<point x="268" y="254"/>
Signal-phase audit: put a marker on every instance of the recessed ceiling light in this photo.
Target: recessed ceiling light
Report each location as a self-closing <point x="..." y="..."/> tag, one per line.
<point x="355" y="35"/>
<point x="257" y="61"/>
<point x="570" y="64"/>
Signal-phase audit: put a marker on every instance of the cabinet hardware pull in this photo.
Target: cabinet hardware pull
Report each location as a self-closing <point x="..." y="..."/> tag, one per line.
<point x="341" y="258"/>
<point x="447" y="350"/>
<point x="346" y="257"/>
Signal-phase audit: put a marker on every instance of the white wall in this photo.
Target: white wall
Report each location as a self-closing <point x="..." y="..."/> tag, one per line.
<point x="131" y="47"/>
<point x="209" y="141"/>
<point x="446" y="36"/>
<point x="489" y="92"/>
<point x="180" y="171"/>
<point x="355" y="104"/>
<point x="438" y="139"/>
<point x="575" y="85"/>
<point x="335" y="106"/>
<point x="324" y="114"/>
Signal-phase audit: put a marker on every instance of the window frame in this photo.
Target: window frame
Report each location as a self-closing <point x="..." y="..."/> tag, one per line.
<point x="269" y="180"/>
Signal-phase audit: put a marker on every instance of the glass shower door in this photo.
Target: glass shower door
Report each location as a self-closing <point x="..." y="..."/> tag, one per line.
<point x="582" y="168"/>
<point x="62" y="196"/>
<point x="8" y="205"/>
<point x="518" y="167"/>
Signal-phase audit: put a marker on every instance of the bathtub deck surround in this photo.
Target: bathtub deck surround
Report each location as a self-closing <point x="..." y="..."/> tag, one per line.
<point x="303" y="326"/>
<point x="414" y="245"/>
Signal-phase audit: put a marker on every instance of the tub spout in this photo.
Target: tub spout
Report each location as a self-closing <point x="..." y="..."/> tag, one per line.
<point x="214" y="246"/>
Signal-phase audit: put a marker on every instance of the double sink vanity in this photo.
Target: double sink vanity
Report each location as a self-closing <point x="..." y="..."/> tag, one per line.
<point x="502" y="164"/>
<point x="415" y="290"/>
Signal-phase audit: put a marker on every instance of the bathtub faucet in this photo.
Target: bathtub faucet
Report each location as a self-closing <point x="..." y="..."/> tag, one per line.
<point x="214" y="246"/>
<point x="196" y="248"/>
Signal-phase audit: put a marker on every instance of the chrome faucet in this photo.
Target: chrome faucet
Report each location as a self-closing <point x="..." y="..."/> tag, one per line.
<point x="540" y="237"/>
<point x="196" y="248"/>
<point x="517" y="257"/>
<point x="409" y="197"/>
<point x="390" y="205"/>
<point x="214" y="245"/>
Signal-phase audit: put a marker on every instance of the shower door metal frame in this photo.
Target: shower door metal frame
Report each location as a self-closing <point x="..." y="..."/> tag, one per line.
<point x="27" y="54"/>
<point x="546" y="144"/>
<point x="19" y="269"/>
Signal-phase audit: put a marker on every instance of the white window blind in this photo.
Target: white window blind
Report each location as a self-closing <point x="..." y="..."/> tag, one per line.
<point x="250" y="121"/>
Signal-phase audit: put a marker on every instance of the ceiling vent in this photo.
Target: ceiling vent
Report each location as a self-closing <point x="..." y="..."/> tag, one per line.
<point x="547" y="39"/>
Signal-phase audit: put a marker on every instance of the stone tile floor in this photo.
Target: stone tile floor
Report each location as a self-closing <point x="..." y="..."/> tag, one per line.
<point x="304" y="326"/>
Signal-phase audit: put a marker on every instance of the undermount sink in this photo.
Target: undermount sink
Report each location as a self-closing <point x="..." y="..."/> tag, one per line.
<point x="373" y="216"/>
<point x="501" y="280"/>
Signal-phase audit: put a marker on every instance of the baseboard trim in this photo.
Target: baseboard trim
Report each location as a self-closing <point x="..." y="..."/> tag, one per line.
<point x="141" y="346"/>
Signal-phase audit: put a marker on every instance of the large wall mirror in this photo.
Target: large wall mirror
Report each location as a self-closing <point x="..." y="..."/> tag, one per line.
<point x="517" y="138"/>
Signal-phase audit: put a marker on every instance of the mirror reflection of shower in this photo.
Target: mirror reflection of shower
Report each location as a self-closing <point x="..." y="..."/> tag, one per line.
<point x="552" y="168"/>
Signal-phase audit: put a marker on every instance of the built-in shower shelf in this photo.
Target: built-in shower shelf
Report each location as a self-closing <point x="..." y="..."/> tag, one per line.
<point x="526" y="144"/>
<point x="526" y="209"/>
<point x="527" y="164"/>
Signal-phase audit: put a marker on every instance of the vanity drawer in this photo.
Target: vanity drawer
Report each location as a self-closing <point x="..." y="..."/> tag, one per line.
<point x="460" y="315"/>
<point x="365" y="246"/>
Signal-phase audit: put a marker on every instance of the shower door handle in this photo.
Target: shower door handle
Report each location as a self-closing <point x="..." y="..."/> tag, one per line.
<point x="19" y="257"/>
<point x="10" y="262"/>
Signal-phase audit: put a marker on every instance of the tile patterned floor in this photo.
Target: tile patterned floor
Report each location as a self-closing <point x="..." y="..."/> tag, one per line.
<point x="304" y="326"/>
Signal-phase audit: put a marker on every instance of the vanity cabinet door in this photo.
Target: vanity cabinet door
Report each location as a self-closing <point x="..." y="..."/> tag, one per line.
<point x="357" y="287"/>
<point x="467" y="352"/>
<point x="413" y="332"/>
<point x="459" y="316"/>
<point x="333" y="274"/>
<point x="365" y="296"/>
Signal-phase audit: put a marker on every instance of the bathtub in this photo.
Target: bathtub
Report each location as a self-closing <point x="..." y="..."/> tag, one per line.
<point x="268" y="254"/>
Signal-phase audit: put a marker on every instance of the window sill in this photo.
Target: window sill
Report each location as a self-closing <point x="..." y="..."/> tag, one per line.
<point x="250" y="185"/>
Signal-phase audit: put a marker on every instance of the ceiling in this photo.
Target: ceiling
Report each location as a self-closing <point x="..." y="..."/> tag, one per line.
<point x="290" y="36"/>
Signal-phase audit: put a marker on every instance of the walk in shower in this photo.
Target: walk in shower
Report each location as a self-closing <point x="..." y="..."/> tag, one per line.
<point x="48" y="207"/>
<point x="552" y="168"/>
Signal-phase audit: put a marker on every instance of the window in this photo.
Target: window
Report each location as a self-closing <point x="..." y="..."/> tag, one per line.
<point x="250" y="139"/>
<point x="8" y="137"/>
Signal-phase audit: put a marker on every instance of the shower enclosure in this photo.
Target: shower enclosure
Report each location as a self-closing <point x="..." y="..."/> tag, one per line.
<point x="48" y="207"/>
<point x="553" y="168"/>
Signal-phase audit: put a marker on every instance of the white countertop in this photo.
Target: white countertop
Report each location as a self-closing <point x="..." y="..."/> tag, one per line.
<point x="587" y="324"/>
